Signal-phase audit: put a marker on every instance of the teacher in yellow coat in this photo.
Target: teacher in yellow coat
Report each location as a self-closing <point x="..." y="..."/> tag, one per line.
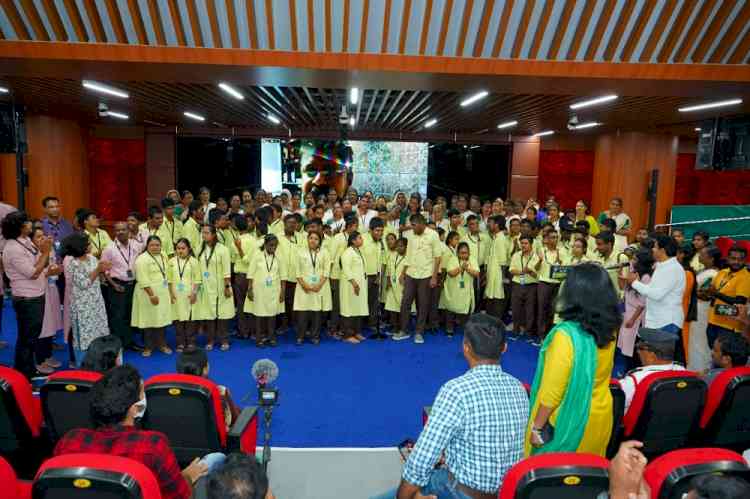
<point x="152" y="307"/>
<point x="312" y="298"/>
<point x="353" y="289"/>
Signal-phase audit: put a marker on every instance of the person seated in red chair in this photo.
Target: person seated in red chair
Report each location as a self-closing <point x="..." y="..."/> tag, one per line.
<point x="656" y="352"/>
<point x="117" y="400"/>
<point x="729" y="350"/>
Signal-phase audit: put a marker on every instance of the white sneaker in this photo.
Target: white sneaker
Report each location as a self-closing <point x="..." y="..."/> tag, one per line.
<point x="418" y="338"/>
<point x="400" y="336"/>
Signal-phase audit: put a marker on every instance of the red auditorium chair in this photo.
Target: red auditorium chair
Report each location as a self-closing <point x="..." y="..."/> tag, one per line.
<point x="189" y="411"/>
<point x="725" y="422"/>
<point x="746" y="245"/>
<point x="563" y="475"/>
<point x="669" y="475"/>
<point x="20" y="422"/>
<point x="665" y="411"/>
<point x="99" y="476"/>
<point x="724" y="243"/>
<point x="65" y="401"/>
<point x="618" y="411"/>
<point x="12" y="487"/>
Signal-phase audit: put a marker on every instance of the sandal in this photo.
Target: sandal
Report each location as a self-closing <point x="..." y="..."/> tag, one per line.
<point x="209" y="346"/>
<point x="352" y="339"/>
<point x="146" y="353"/>
<point x="180" y="349"/>
<point x="166" y="350"/>
<point x="224" y="347"/>
<point x="53" y="363"/>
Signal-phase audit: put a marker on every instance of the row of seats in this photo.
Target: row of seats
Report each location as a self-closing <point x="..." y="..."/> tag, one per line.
<point x="187" y="409"/>
<point x="675" y="409"/>
<point x="724" y="243"/>
<point x="559" y="475"/>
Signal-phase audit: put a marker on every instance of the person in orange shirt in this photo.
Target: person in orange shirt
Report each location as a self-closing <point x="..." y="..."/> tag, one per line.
<point x="729" y="289"/>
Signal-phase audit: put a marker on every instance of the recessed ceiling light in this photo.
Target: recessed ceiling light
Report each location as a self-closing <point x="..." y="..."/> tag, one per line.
<point x="594" y="101"/>
<point x="273" y="119"/>
<point x="4" y="90"/>
<point x="352" y="121"/>
<point x="542" y="134"/>
<point x="115" y="114"/>
<point x="697" y="129"/>
<point x="105" y="89"/>
<point x="430" y="123"/>
<point x="354" y="95"/>
<point x="590" y="124"/>
<point x="196" y="117"/>
<point x="507" y="124"/>
<point x="231" y="91"/>
<point x="471" y="100"/>
<point x="710" y="105"/>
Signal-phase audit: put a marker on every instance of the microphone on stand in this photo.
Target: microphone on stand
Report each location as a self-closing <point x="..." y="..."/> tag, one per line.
<point x="265" y="372"/>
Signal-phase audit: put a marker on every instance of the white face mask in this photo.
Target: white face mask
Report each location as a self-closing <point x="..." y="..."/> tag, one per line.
<point x="142" y="408"/>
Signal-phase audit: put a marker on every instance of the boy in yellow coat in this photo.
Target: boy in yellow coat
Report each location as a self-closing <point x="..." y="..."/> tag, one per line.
<point x="170" y="230"/>
<point x="373" y="249"/>
<point x="496" y="262"/>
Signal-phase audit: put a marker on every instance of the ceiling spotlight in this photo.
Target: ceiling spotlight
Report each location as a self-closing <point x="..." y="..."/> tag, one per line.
<point x="105" y="89"/>
<point x="507" y="124"/>
<point x="430" y="123"/>
<point x="231" y="91"/>
<point x="273" y="119"/>
<point x="115" y="114"/>
<point x="352" y="121"/>
<point x="354" y="95"/>
<point x="710" y="105"/>
<point x="697" y="129"/>
<point x="196" y="117"/>
<point x="471" y="100"/>
<point x="593" y="102"/>
<point x="4" y="90"/>
<point x="590" y="124"/>
<point x="542" y="134"/>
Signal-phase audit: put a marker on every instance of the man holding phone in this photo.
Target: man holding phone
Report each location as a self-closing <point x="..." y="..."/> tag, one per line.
<point x="729" y="289"/>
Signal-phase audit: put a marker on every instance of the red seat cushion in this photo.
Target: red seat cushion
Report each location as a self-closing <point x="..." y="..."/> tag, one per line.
<point x="547" y="461"/>
<point x="138" y="471"/>
<point x="209" y="385"/>
<point x="639" y="398"/>
<point x="29" y="407"/>
<point x="724" y="243"/>
<point x="11" y="486"/>
<point x="717" y="389"/>
<point x="660" y="468"/>
<point x="75" y="375"/>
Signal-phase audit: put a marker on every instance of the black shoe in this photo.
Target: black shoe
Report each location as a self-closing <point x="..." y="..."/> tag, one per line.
<point x="133" y="347"/>
<point x="272" y="342"/>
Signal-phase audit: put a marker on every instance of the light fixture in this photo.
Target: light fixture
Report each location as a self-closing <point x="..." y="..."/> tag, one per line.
<point x="542" y="134"/>
<point x="590" y="124"/>
<point x="507" y="124"/>
<point x="354" y="95"/>
<point x="273" y="119"/>
<point x="352" y="121"/>
<point x="430" y="123"/>
<point x="593" y="102"/>
<point x="471" y="100"/>
<point x="697" y="129"/>
<point x="710" y="105"/>
<point x="115" y="114"/>
<point x="155" y="123"/>
<point x="4" y="90"/>
<point x="105" y="89"/>
<point x="231" y="91"/>
<point x="196" y="117"/>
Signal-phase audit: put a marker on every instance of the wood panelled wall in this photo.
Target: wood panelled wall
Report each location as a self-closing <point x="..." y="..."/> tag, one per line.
<point x="524" y="175"/>
<point x="622" y="166"/>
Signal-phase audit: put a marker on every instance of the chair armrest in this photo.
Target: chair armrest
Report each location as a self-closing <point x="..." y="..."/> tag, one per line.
<point x="243" y="435"/>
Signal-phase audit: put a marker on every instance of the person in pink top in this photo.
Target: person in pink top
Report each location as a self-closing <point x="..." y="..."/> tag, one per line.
<point x="52" y="321"/>
<point x="26" y="268"/>
<point x="121" y="278"/>
<point x="4" y="210"/>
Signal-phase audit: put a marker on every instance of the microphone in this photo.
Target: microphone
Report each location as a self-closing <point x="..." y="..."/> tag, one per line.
<point x="265" y="371"/>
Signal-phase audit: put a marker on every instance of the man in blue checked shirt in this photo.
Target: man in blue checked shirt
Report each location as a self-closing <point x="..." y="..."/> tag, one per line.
<point x="478" y="422"/>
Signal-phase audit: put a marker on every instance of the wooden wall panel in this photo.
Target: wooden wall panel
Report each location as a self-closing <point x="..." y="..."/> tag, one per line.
<point x="565" y="142"/>
<point x="8" y="191"/>
<point x="524" y="169"/>
<point x="622" y="165"/>
<point x="160" y="166"/>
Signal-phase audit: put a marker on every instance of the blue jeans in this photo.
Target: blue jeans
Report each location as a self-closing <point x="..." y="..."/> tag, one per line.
<point x="214" y="461"/>
<point x="439" y="485"/>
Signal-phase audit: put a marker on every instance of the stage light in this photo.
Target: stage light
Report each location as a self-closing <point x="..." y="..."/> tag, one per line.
<point x="196" y="117"/>
<point x="590" y="124"/>
<point x="697" y="129"/>
<point x="593" y="102"/>
<point x="507" y="124"/>
<point x="710" y="105"/>
<point x="471" y="100"/>
<point x="115" y="114"/>
<point x="542" y="134"/>
<point x="354" y="95"/>
<point x="430" y="123"/>
<point x="231" y="91"/>
<point x="4" y="90"/>
<point x="352" y="121"/>
<point x="273" y="119"/>
<point x="99" y="87"/>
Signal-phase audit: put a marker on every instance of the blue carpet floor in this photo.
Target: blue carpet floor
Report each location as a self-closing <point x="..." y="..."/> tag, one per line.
<point x="334" y="394"/>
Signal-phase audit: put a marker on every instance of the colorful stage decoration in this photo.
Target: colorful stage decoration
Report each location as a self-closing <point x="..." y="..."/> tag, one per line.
<point x="329" y="167"/>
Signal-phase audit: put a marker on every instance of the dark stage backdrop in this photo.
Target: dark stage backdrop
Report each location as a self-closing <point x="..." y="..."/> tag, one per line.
<point x="474" y="169"/>
<point x="568" y="175"/>
<point x="224" y="166"/>
<point x="118" y="176"/>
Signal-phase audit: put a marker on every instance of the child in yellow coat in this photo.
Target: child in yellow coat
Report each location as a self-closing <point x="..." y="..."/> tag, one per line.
<point x="353" y="289"/>
<point x="462" y="270"/>
<point x="265" y="294"/>
<point x="184" y="282"/>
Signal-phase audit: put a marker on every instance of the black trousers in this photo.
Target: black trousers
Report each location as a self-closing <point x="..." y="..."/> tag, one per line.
<point x="119" y="310"/>
<point x="29" y="316"/>
<point x="373" y="299"/>
<point x="524" y="307"/>
<point x="308" y="320"/>
<point x="418" y="289"/>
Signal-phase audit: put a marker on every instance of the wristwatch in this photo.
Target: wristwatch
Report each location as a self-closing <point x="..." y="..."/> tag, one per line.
<point x="537" y="432"/>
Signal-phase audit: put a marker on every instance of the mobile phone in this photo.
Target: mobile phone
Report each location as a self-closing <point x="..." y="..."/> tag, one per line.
<point x="405" y="448"/>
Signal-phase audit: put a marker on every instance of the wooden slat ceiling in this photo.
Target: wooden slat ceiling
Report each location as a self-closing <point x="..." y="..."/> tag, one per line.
<point x="305" y="110"/>
<point x="646" y="31"/>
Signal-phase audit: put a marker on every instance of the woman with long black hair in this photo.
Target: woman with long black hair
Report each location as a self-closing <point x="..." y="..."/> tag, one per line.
<point x="215" y="298"/>
<point x="152" y="307"/>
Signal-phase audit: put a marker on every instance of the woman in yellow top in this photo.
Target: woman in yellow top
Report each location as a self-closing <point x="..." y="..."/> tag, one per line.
<point x="245" y="247"/>
<point x="152" y="308"/>
<point x="215" y="298"/>
<point x="312" y="298"/>
<point x="571" y="405"/>
<point x="582" y="213"/>
<point x="451" y="245"/>
<point x="394" y="267"/>
<point x="265" y="294"/>
<point x="390" y="244"/>
<point x="578" y="251"/>
<point x="184" y="282"/>
<point x="462" y="270"/>
<point x="353" y="289"/>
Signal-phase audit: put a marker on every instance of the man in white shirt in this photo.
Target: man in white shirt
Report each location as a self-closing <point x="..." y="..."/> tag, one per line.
<point x="664" y="292"/>
<point x="365" y="214"/>
<point x="656" y="352"/>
